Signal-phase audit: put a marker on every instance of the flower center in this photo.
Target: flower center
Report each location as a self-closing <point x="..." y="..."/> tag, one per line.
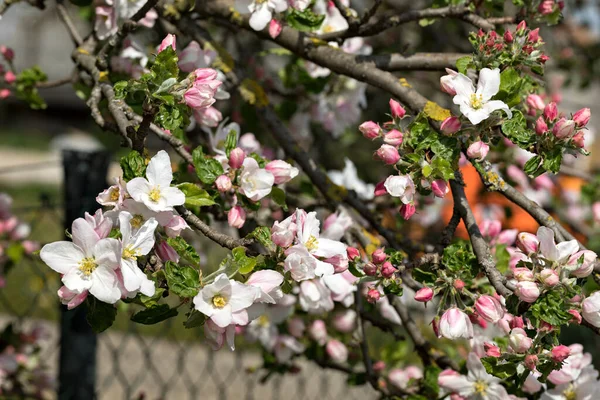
<point x="137" y="221"/>
<point x="480" y="387"/>
<point x="312" y="243"/>
<point x="114" y="195"/>
<point x="476" y="101"/>
<point x="154" y="194"/>
<point x="219" y="301"/>
<point x="130" y="253"/>
<point x="263" y="321"/>
<point x="328" y="29"/>
<point x="570" y="393"/>
<point x="87" y="265"/>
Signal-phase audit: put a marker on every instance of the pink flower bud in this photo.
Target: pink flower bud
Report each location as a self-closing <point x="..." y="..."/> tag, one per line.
<point x="521" y="27"/>
<point x="546" y="7"/>
<point x="387" y="270"/>
<point x="378" y="256"/>
<point x="223" y="183"/>
<point x="296" y="327"/>
<point x="455" y="324"/>
<point x="370" y="269"/>
<point x="424" y="295"/>
<point x="373" y="296"/>
<point x="236" y="217"/>
<point x="166" y="252"/>
<point x="508" y="37"/>
<point x="282" y="171"/>
<point x="397" y="110"/>
<point x="527" y="242"/>
<point x="516" y="322"/>
<point x="519" y="341"/>
<point x="318" y="331"/>
<point x="478" y="150"/>
<point x="527" y="291"/>
<point x="440" y="188"/>
<point x="458" y="284"/>
<point x="534" y="35"/>
<point x="380" y="190"/>
<point x="10" y="78"/>
<point x="564" y="128"/>
<point x="407" y="211"/>
<point x="339" y="262"/>
<point x="535" y="101"/>
<point x="450" y="125"/>
<point x="523" y="274"/>
<point x="337" y="351"/>
<point x="576" y="317"/>
<point x="388" y="154"/>
<point x="236" y="158"/>
<point x="275" y="28"/>
<point x="447" y="82"/>
<point x="491" y="350"/>
<point x="7" y="52"/>
<point x="540" y="126"/>
<point x="543" y="58"/>
<point x="352" y="253"/>
<point x="582" y="117"/>
<point x="551" y="111"/>
<point x="531" y="361"/>
<point x="379" y="366"/>
<point x="585" y="268"/>
<point x="579" y="139"/>
<point x="489" y="308"/>
<point x="549" y="277"/>
<point x="344" y="321"/>
<point x="169" y="40"/>
<point x="393" y="137"/>
<point x="4" y="93"/>
<point x="370" y="130"/>
<point x="560" y="353"/>
<point x="71" y="299"/>
<point x="490" y="228"/>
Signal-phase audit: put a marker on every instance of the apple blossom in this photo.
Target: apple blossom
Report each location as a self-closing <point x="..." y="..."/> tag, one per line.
<point x="318" y="331"/>
<point x="489" y="308"/>
<point x="551" y="111"/>
<point x="378" y="256"/>
<point x="370" y="130"/>
<point x="540" y="126"/>
<point x="478" y="384"/>
<point x="564" y="128"/>
<point x="491" y="350"/>
<point x="549" y="277"/>
<point x="166" y="252"/>
<point x="387" y="270"/>
<point x="519" y="341"/>
<point x="583" y="268"/>
<point x="336" y="225"/>
<point x="262" y="11"/>
<point x="236" y="217"/>
<point x="282" y="171"/>
<point x="440" y="188"/>
<point x="169" y="40"/>
<point x="527" y="291"/>
<point x="582" y="117"/>
<point x="296" y="327"/>
<point x="557" y="253"/>
<point x="315" y="297"/>
<point x="193" y="57"/>
<point x="255" y="182"/>
<point x="344" y="321"/>
<point x="223" y="183"/>
<point x="407" y="211"/>
<point x="352" y="252"/>
<point x="388" y="154"/>
<point x="424" y="295"/>
<point x="560" y="353"/>
<point x="337" y="351"/>
<point x="393" y="137"/>
<point x="275" y="28"/>
<point x="455" y="324"/>
<point x="350" y="180"/>
<point x="528" y="242"/>
<point x="284" y="232"/>
<point x="450" y="125"/>
<point x="373" y="295"/>
<point x="447" y="82"/>
<point x="591" y="309"/>
<point x="286" y="347"/>
<point x="397" y="110"/>
<point x="535" y="101"/>
<point x="236" y="158"/>
<point x="10" y="77"/>
<point x="478" y="150"/>
<point x="400" y="186"/>
<point x="206" y="116"/>
<point x="71" y="298"/>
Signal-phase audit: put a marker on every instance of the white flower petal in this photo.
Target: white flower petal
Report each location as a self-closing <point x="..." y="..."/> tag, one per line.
<point x="174" y="196"/>
<point x="159" y="170"/>
<point x="488" y="83"/>
<point x="144" y="237"/>
<point x="105" y="285"/>
<point x="222" y="317"/>
<point x="463" y="86"/>
<point x="108" y="253"/>
<point x="547" y="244"/>
<point x="260" y="17"/>
<point x="137" y="188"/>
<point x="62" y="257"/>
<point x="84" y="236"/>
<point x="494" y="105"/>
<point x="73" y="281"/>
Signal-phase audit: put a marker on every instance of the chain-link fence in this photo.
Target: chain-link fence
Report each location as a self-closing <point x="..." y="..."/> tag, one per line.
<point x="163" y="361"/>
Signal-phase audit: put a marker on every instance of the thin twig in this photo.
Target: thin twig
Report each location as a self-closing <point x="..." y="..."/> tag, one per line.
<point x="66" y="19"/>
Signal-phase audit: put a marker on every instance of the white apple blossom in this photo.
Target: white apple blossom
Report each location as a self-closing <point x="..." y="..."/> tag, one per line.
<point x="114" y="195"/>
<point x="341" y="287"/>
<point x="400" y="186"/>
<point x="255" y="182"/>
<point x="155" y="190"/>
<point x="262" y="11"/>
<point x="315" y="297"/>
<point x="557" y="253"/>
<point x="172" y="223"/>
<point x="477" y="385"/>
<point x="302" y="265"/>
<point x="87" y="263"/>
<point x="348" y="178"/>
<point x="476" y="104"/>
<point x="585" y="387"/>
<point x="135" y="245"/>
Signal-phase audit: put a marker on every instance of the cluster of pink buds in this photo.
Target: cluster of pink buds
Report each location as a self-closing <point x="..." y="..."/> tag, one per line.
<point x="550" y="123"/>
<point x="548" y="7"/>
<point x="379" y="266"/>
<point x="392" y="138"/>
<point x="7" y="77"/>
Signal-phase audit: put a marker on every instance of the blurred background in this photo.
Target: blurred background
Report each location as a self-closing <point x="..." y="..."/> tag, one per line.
<point x="166" y="361"/>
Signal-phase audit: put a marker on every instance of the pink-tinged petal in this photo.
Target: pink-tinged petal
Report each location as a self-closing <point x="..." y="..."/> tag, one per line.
<point x="329" y="248"/>
<point x="488" y="83"/>
<point x="547" y="244"/>
<point x="84" y="236"/>
<point x="174" y="196"/>
<point x="73" y="281"/>
<point x="266" y="280"/>
<point x="62" y="257"/>
<point x="222" y="317"/>
<point x="240" y="318"/>
<point x="108" y="253"/>
<point x="138" y="189"/>
<point x="105" y="285"/>
<point x="455" y="383"/>
<point x="159" y="170"/>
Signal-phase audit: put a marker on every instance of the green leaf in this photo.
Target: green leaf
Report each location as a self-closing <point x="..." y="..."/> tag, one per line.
<point x="430" y="385"/>
<point x="195" y="196"/>
<point x="462" y="64"/>
<point x="194" y="320"/>
<point x="510" y="87"/>
<point x="278" y="196"/>
<point x="245" y="264"/>
<point x="516" y="130"/>
<point x="551" y="308"/>
<point x="133" y="165"/>
<point x="502" y="371"/>
<point x="553" y="159"/>
<point x="26" y="87"/>
<point x="166" y="85"/>
<point x="100" y="315"/>
<point x="154" y="314"/>
<point x="262" y="235"/>
<point x="150" y="301"/>
<point x="184" y="249"/>
<point x="165" y="66"/>
<point x="183" y="280"/>
<point x="207" y="169"/>
<point x="15" y="252"/>
<point x="304" y="20"/>
<point x="532" y="167"/>
<point x="231" y="141"/>
<point x="424" y="276"/>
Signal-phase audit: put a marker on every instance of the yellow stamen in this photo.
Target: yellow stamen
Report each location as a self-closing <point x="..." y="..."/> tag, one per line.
<point x="137" y="221"/>
<point x="570" y="393"/>
<point x="480" y="387"/>
<point x="328" y="29"/>
<point x="130" y="253"/>
<point x="154" y="194"/>
<point x="219" y="301"/>
<point x="263" y="321"/>
<point x="114" y="194"/>
<point x="312" y="243"/>
<point x="476" y="101"/>
<point x="87" y="266"/>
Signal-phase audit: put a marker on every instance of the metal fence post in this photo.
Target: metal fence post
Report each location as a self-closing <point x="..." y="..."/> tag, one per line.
<point x="85" y="177"/>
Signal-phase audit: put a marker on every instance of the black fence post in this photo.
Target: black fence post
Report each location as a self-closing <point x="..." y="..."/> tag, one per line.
<point x="85" y="177"/>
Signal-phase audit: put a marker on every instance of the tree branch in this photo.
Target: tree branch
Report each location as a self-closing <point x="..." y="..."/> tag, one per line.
<point x="66" y="19"/>
<point x="418" y="61"/>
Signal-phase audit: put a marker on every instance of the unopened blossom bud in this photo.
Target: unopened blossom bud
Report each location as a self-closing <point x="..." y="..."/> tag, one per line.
<point x="7" y="52"/>
<point x="540" y="126"/>
<point x="370" y="269"/>
<point x="379" y="366"/>
<point x="344" y="321"/>
<point x="564" y="128"/>
<point x="561" y="5"/>
<point x="535" y="101"/>
<point x="576" y="317"/>
<point x="4" y="93"/>
<point x="519" y="341"/>
<point x="397" y="110"/>
<point x="407" y="211"/>
<point x="551" y="111"/>
<point x="370" y="130"/>
<point x="282" y="171"/>
<point x="236" y="158"/>
<point x="546" y="7"/>
<point x="545" y="327"/>
<point x="508" y="37"/>
<point x="388" y="154"/>
<point x="458" y="284"/>
<point x="516" y="322"/>
<point x="296" y="327"/>
<point x="489" y="308"/>
<point x="169" y="40"/>
<point x="447" y="84"/>
<point x="10" y="77"/>
<point x="582" y="117"/>
<point x="352" y="252"/>
<point x="393" y="137"/>
<point x="476" y="319"/>
<point x="373" y="296"/>
<point x="478" y="150"/>
<point x="590" y="309"/>
<point x="560" y="353"/>
<point x="223" y="183"/>
<point x="337" y="351"/>
<point x="387" y="270"/>
<point x="440" y="188"/>
<point x="275" y="28"/>
<point x="455" y="324"/>
<point x="491" y="350"/>
<point x="450" y="125"/>
<point x="588" y="259"/>
<point x="424" y="295"/>
<point x="527" y="291"/>
<point x="531" y="361"/>
<point x="543" y="58"/>
<point x="380" y="189"/>
<point x="527" y="242"/>
<point x="549" y="277"/>
<point x="579" y="139"/>
<point x="318" y="331"/>
<point x="166" y="252"/>
<point x="534" y="35"/>
<point x="521" y="27"/>
<point x="236" y="217"/>
<point x="378" y="256"/>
